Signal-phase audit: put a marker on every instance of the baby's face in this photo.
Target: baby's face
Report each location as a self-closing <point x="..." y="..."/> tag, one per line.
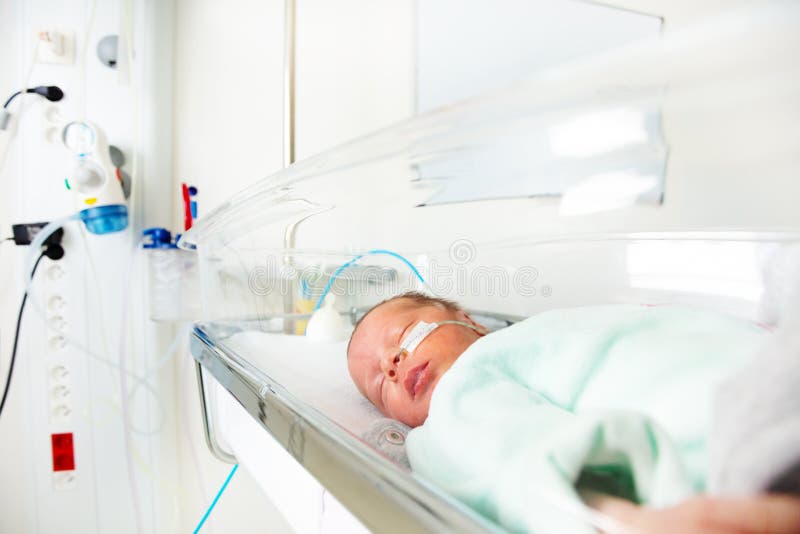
<point x="401" y="386"/>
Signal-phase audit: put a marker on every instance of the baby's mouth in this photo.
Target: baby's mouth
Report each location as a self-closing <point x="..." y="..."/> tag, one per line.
<point x="416" y="379"/>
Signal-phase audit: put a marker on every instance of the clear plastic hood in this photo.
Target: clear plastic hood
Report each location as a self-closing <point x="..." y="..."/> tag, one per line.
<point x="694" y="136"/>
<point x="696" y="129"/>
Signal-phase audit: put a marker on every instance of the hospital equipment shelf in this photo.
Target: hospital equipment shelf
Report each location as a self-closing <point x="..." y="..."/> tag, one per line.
<point x="383" y="497"/>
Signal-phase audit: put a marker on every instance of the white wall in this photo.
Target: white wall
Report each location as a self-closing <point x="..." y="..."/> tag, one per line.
<point x="354" y="75"/>
<point x="355" y="69"/>
<point x="227" y="110"/>
<point x="94" y="283"/>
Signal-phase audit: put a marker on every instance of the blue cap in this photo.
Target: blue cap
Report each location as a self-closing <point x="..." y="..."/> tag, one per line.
<point x="159" y="238"/>
<point x="105" y="219"/>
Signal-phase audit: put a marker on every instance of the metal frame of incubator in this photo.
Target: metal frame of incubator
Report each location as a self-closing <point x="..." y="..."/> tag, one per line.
<point x="384" y="497"/>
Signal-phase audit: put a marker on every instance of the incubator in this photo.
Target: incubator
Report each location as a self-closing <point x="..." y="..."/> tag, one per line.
<point x="692" y="204"/>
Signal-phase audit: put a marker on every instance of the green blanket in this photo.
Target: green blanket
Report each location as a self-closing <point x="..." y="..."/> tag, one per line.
<point x="609" y="398"/>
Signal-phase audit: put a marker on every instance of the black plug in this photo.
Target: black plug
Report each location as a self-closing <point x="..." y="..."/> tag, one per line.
<point x="53" y="93"/>
<point x="26" y="232"/>
<point x="54" y="251"/>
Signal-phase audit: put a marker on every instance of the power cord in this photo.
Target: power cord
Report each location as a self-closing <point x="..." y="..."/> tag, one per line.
<point x="52" y="93"/>
<point x="54" y="252"/>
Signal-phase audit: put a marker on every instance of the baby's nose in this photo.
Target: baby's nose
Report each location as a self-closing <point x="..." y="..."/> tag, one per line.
<point x="390" y="367"/>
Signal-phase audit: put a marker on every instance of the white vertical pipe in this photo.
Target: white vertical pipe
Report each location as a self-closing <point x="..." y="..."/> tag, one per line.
<point x="288" y="83"/>
<point x="288" y="131"/>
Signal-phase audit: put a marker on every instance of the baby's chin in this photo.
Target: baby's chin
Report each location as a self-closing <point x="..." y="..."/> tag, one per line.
<point x="420" y="414"/>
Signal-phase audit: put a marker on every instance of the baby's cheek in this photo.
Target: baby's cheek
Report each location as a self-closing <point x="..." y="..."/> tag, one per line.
<point x="395" y="404"/>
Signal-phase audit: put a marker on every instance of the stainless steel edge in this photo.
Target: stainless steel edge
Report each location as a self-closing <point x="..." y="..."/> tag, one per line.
<point x="208" y="422"/>
<point x="383" y="496"/>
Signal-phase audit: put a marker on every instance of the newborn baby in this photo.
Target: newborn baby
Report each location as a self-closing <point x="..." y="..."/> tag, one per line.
<point x="397" y="377"/>
<point x="611" y="399"/>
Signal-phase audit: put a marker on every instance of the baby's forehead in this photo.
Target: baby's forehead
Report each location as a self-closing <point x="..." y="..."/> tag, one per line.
<point x="385" y="315"/>
<point x="399" y="310"/>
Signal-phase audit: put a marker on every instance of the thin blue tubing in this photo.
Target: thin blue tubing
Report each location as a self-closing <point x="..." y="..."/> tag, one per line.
<point x="344" y="266"/>
<point x="214" y="502"/>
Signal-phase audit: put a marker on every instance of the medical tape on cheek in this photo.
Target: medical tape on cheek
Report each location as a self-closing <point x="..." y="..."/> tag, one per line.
<point x="420" y="331"/>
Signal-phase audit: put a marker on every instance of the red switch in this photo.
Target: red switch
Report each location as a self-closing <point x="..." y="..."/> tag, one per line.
<point x="63" y="452"/>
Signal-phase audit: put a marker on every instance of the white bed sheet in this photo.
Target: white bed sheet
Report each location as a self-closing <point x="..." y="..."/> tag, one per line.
<point x="315" y="373"/>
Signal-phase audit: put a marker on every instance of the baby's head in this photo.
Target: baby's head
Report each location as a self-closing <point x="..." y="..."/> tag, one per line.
<point x="400" y="383"/>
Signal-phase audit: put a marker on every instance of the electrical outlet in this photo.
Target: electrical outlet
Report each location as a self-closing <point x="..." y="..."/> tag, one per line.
<point x="25" y="233"/>
<point x="60" y="415"/>
<point x="59" y="374"/>
<point x="64" y="480"/>
<point x="55" y="46"/>
<point x="60" y="393"/>
<point x="53" y="124"/>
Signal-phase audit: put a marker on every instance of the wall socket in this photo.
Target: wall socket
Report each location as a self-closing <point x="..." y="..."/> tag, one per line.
<point x="55" y="46"/>
<point x="65" y="480"/>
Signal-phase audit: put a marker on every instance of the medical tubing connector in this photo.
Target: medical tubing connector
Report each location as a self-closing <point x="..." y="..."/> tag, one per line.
<point x="353" y="260"/>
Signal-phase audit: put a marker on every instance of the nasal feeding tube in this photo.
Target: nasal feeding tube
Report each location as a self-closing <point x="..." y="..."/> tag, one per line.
<point x="421" y="330"/>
